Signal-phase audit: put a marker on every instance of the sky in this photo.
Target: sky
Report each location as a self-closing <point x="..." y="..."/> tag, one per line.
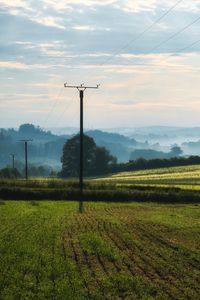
<point x="143" y="53"/>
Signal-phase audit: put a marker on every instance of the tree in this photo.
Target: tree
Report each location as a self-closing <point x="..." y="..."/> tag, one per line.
<point x="102" y="160"/>
<point x="9" y="173"/>
<point x="175" y="151"/>
<point x="96" y="159"/>
<point x="27" y="129"/>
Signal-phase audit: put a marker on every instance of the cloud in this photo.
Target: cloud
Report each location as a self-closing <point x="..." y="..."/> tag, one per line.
<point x="45" y="42"/>
<point x="14" y="3"/>
<point x="49" y="21"/>
<point x="22" y="66"/>
<point x="127" y="5"/>
<point x="13" y="65"/>
<point x="90" y="28"/>
<point x="41" y="7"/>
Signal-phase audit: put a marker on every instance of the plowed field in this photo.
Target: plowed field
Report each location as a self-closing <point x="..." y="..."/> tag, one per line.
<point x="111" y="251"/>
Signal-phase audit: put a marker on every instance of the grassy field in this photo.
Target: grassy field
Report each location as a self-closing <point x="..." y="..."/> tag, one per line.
<point x="186" y="177"/>
<point x="112" y="251"/>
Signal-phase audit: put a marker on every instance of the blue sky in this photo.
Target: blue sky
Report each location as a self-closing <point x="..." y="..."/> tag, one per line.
<point x="44" y="43"/>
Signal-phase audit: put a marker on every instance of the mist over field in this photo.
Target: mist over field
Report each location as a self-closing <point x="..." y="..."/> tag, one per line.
<point x="124" y="143"/>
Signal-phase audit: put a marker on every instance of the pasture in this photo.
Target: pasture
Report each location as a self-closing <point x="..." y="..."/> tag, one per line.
<point x="112" y="251"/>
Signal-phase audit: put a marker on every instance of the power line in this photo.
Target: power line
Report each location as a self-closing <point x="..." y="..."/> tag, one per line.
<point x="174" y="35"/>
<point x="181" y="50"/>
<point x="66" y="108"/>
<point x="53" y="106"/>
<point x="133" y="40"/>
<point x="188" y="46"/>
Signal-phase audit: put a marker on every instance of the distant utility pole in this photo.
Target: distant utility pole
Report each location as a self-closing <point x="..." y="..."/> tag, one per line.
<point x="26" y="156"/>
<point x="81" y="88"/>
<point x="13" y="160"/>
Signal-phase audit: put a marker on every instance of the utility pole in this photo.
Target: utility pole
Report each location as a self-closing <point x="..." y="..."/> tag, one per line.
<point x="13" y="160"/>
<point x="81" y="88"/>
<point x="26" y="156"/>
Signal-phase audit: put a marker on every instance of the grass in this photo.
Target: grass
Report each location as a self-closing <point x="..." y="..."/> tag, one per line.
<point x="112" y="251"/>
<point x="94" y="244"/>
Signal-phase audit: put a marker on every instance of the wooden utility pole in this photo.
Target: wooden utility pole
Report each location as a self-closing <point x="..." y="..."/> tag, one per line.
<point x="26" y="156"/>
<point x="13" y="160"/>
<point x="81" y="88"/>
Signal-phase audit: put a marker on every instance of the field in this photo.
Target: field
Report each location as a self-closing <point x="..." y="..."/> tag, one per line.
<point x="142" y="242"/>
<point x="186" y="177"/>
<point x="166" y="185"/>
<point x="112" y="251"/>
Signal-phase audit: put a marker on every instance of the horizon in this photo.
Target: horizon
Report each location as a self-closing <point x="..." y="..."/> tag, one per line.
<point x="103" y="128"/>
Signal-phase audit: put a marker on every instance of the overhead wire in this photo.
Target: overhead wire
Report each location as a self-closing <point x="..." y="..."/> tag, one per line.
<point x="170" y="38"/>
<point x="133" y="40"/>
<point x="53" y="106"/>
<point x="66" y="108"/>
<point x="181" y="50"/>
<point x="174" y="35"/>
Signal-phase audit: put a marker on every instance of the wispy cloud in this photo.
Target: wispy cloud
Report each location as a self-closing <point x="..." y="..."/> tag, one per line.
<point x="90" y="28"/>
<point x="13" y="65"/>
<point x="50" y="21"/>
<point x="22" y="66"/>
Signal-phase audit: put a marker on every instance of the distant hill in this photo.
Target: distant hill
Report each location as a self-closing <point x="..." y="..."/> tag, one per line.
<point x="119" y="145"/>
<point x="147" y="154"/>
<point x="160" y="134"/>
<point x="46" y="147"/>
<point x="152" y="154"/>
<point x="191" y="148"/>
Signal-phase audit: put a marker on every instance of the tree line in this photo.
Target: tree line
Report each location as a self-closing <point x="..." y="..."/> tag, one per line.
<point x="98" y="160"/>
<point x="143" y="164"/>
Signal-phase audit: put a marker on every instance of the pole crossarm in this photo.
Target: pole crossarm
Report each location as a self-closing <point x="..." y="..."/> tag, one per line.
<point x="81" y="86"/>
<point x="25" y="141"/>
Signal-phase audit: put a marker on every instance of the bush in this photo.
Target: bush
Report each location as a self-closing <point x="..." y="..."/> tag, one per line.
<point x="9" y="173"/>
<point x="105" y="195"/>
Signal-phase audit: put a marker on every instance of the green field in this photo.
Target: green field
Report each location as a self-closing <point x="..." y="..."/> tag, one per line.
<point x="186" y="177"/>
<point x="112" y="251"/>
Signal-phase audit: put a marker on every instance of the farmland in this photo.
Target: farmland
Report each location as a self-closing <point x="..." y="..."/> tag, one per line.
<point x="186" y="177"/>
<point x="142" y="242"/>
<point x="112" y="251"/>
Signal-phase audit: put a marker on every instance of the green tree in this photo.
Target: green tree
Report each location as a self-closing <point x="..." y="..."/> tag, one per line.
<point x="9" y="173"/>
<point x="96" y="160"/>
<point x="102" y="160"/>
